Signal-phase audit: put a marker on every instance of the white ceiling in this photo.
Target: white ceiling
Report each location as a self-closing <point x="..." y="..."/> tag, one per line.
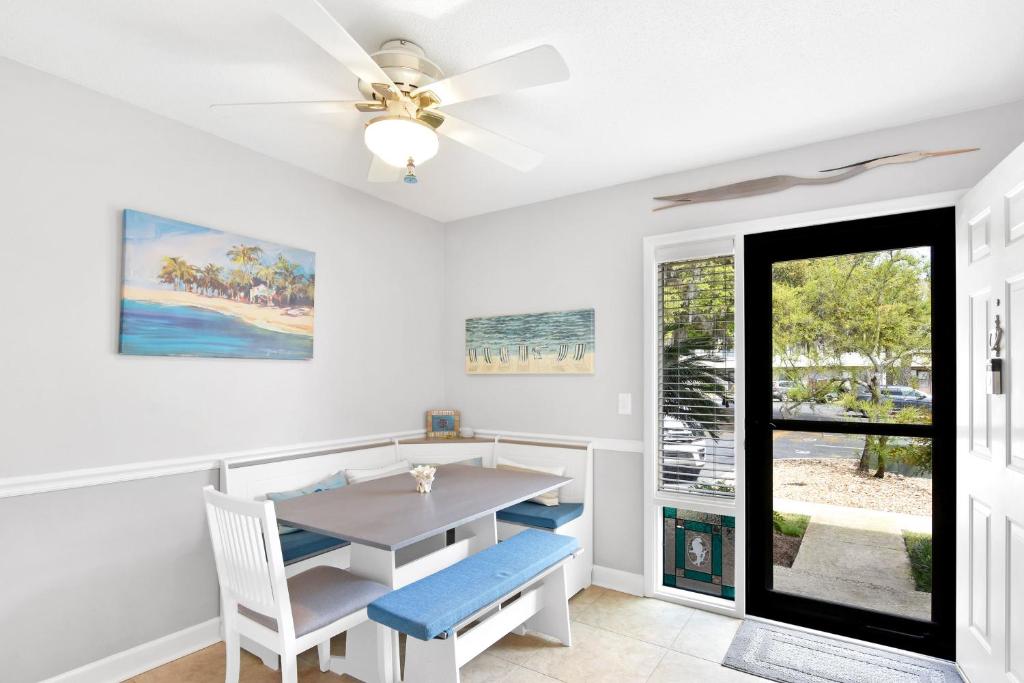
<point x="657" y="86"/>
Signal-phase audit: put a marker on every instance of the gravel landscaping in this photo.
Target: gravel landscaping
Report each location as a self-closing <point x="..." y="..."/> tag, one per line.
<point x="836" y="481"/>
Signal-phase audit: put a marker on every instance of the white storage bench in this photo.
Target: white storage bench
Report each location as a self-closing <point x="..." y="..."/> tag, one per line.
<point x="573" y="516"/>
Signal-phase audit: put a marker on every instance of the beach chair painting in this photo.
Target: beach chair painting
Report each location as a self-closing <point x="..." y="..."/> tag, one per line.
<point x="195" y="291"/>
<point x="558" y="343"/>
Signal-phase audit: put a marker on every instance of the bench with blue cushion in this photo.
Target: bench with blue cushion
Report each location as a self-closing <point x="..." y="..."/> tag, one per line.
<point x="301" y="544"/>
<point x="433" y="609"/>
<point x="533" y="514"/>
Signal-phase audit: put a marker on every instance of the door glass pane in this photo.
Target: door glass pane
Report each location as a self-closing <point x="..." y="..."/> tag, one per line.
<point x="851" y="337"/>
<point x="853" y="520"/>
<point x="699" y="552"/>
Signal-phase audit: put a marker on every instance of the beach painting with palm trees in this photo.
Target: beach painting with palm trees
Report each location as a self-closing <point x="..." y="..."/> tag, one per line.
<point x="195" y="291"/>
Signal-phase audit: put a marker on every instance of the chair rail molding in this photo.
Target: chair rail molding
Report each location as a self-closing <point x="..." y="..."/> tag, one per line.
<point x="598" y="443"/>
<point x="110" y="474"/>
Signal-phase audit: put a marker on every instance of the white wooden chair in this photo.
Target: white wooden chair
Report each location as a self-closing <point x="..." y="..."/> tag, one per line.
<point x="287" y="615"/>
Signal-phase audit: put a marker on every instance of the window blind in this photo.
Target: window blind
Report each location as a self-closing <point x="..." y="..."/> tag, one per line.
<point x="697" y="361"/>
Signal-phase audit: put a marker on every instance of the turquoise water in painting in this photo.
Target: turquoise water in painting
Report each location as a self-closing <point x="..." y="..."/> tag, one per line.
<point x="149" y="329"/>
<point x="541" y="331"/>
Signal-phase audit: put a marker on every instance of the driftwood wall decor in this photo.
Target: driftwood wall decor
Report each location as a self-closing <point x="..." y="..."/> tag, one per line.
<point x="777" y="183"/>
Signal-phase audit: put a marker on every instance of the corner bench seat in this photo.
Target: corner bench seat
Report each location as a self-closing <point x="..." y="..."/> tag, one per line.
<point x="440" y="602"/>
<point x="300" y="545"/>
<point x="321" y="596"/>
<point x="541" y="516"/>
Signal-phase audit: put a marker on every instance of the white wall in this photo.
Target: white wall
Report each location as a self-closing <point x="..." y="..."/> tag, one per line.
<point x="585" y="251"/>
<point x="91" y="572"/>
<point x="70" y="161"/>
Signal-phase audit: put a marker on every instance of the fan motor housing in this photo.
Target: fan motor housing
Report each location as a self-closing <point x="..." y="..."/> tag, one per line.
<point x="406" y="65"/>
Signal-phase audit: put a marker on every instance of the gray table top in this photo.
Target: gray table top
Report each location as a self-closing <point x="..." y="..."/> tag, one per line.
<point x="389" y="514"/>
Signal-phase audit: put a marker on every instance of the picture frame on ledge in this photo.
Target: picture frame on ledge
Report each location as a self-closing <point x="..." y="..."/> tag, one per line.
<point x="442" y="424"/>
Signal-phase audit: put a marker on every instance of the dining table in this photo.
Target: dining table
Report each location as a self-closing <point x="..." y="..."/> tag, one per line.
<point x="399" y="535"/>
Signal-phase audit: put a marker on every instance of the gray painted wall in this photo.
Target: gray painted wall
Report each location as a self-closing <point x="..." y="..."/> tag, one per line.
<point x="89" y="572"/>
<point x="586" y="251"/>
<point x="71" y="161"/>
<point x="618" y="511"/>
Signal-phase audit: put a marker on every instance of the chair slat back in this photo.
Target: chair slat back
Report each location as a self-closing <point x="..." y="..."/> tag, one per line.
<point x="247" y="550"/>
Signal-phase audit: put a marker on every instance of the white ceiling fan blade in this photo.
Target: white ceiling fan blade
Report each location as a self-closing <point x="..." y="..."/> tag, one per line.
<point x="381" y="172"/>
<point x="307" y="107"/>
<point x="506" y="151"/>
<point x="537" y="66"/>
<point x="310" y="17"/>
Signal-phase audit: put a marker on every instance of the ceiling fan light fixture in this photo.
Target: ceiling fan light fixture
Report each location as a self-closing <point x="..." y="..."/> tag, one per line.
<point x="397" y="139"/>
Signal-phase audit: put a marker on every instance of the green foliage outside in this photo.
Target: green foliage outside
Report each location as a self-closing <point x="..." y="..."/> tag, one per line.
<point x="790" y="524"/>
<point x="697" y="315"/>
<point x="875" y="306"/>
<point x="919" y="550"/>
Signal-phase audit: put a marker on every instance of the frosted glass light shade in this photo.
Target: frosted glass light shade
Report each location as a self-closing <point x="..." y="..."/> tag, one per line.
<point x="397" y="139"/>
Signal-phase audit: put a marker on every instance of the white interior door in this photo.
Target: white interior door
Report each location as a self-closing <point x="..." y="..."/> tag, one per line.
<point x="990" y="426"/>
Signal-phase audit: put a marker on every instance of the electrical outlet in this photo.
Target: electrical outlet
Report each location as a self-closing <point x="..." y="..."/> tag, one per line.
<point x="625" y="404"/>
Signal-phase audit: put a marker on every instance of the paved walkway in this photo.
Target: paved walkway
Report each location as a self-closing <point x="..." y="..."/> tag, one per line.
<point x="855" y="557"/>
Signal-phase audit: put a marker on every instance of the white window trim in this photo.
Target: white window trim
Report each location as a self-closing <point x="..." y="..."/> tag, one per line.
<point x="695" y="243"/>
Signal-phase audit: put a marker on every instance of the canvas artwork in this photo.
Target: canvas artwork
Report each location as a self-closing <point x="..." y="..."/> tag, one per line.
<point x="533" y="343"/>
<point x="195" y="291"/>
<point x="700" y="552"/>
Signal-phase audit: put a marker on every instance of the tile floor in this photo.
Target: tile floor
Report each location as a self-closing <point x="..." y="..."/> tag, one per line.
<point x="616" y="638"/>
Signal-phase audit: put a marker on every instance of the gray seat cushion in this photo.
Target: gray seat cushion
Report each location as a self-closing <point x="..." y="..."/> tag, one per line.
<point x="322" y="595"/>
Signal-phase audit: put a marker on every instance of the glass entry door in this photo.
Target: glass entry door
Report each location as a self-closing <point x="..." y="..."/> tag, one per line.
<point x="850" y="412"/>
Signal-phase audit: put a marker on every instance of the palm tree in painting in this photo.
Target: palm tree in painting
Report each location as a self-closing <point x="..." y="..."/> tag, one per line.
<point x="178" y="272"/>
<point x="239" y="283"/>
<point x="246" y="256"/>
<point x="169" y="270"/>
<point x="288" y="277"/>
<point x="210" y="278"/>
<point x="268" y="275"/>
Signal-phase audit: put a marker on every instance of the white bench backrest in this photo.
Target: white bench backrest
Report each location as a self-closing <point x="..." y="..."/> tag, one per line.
<point x="442" y="453"/>
<point x="575" y="459"/>
<point x="253" y="479"/>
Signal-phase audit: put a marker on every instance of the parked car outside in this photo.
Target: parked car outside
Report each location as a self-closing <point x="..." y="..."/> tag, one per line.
<point x="781" y="387"/>
<point x="683" y="448"/>
<point x="901" y="397"/>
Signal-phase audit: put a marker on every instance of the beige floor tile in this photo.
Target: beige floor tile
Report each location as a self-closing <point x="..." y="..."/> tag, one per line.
<point x="207" y="666"/>
<point x="486" y="668"/>
<point x="707" y="636"/>
<point x="585" y="597"/>
<point x="654" y="621"/>
<point x="676" y="667"/>
<point x="596" y="656"/>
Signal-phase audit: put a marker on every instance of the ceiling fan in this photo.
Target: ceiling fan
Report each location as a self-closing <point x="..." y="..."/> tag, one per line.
<point x="407" y="91"/>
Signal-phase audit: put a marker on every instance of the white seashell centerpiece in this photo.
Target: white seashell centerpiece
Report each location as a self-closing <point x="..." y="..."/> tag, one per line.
<point x="424" y="476"/>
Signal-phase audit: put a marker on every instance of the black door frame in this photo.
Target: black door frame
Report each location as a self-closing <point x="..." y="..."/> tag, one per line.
<point x="933" y="228"/>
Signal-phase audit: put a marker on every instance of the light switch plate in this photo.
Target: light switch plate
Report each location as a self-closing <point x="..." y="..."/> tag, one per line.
<point x="625" y="404"/>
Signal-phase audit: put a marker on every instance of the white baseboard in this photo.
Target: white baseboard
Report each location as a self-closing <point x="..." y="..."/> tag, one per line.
<point x="618" y="580"/>
<point x="129" y="663"/>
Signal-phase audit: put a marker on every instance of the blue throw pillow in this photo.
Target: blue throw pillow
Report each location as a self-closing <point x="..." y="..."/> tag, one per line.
<point x="335" y="481"/>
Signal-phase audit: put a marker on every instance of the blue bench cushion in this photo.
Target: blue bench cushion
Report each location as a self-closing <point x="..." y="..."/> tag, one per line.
<point x="543" y="516"/>
<point x="302" y="544"/>
<point x="438" y="603"/>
